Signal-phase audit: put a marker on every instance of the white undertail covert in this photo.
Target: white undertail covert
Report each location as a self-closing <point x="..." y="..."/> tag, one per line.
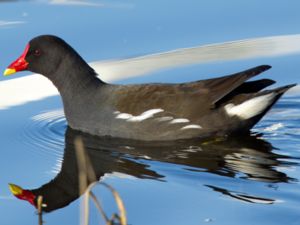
<point x="251" y="107"/>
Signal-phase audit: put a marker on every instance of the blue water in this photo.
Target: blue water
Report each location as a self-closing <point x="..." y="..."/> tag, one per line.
<point x="243" y="183"/>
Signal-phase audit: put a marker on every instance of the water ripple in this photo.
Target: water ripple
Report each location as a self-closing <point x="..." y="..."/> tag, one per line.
<point x="44" y="133"/>
<point x="282" y="123"/>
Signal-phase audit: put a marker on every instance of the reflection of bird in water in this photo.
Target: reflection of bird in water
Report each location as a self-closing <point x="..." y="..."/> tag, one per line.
<point x="242" y="196"/>
<point x="249" y="156"/>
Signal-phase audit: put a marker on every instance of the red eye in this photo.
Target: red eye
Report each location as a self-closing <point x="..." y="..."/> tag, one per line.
<point x="37" y="52"/>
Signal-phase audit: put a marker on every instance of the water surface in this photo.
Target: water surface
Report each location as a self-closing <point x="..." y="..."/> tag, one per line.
<point x="245" y="181"/>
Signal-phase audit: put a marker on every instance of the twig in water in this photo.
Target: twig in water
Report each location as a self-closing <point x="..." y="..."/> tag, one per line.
<point x="87" y="175"/>
<point x="99" y="207"/>
<point x="120" y="204"/>
<point x="82" y="176"/>
<point x="122" y="218"/>
<point x="39" y="208"/>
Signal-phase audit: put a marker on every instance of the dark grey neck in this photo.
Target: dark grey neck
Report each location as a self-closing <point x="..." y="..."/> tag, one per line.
<point x="74" y="77"/>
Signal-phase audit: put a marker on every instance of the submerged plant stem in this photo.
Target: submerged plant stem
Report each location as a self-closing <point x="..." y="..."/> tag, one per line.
<point x="87" y="175"/>
<point x="39" y="208"/>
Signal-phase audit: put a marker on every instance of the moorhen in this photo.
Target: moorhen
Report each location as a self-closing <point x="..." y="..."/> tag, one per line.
<point x="221" y="106"/>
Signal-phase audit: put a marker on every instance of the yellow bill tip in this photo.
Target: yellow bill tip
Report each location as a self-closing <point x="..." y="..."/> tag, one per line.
<point x="9" y="71"/>
<point x="15" y="189"/>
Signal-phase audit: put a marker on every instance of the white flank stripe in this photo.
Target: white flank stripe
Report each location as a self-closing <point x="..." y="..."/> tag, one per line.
<point x="164" y="118"/>
<point x="145" y="115"/>
<point x="251" y="107"/>
<point x="192" y="126"/>
<point x="152" y="112"/>
<point x="124" y="116"/>
<point x="180" y="120"/>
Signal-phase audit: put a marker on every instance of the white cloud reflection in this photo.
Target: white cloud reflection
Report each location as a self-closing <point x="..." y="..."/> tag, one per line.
<point x="75" y="2"/>
<point x="295" y="90"/>
<point x="273" y="46"/>
<point x="4" y="23"/>
<point x="93" y="3"/>
<point x="6" y="198"/>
